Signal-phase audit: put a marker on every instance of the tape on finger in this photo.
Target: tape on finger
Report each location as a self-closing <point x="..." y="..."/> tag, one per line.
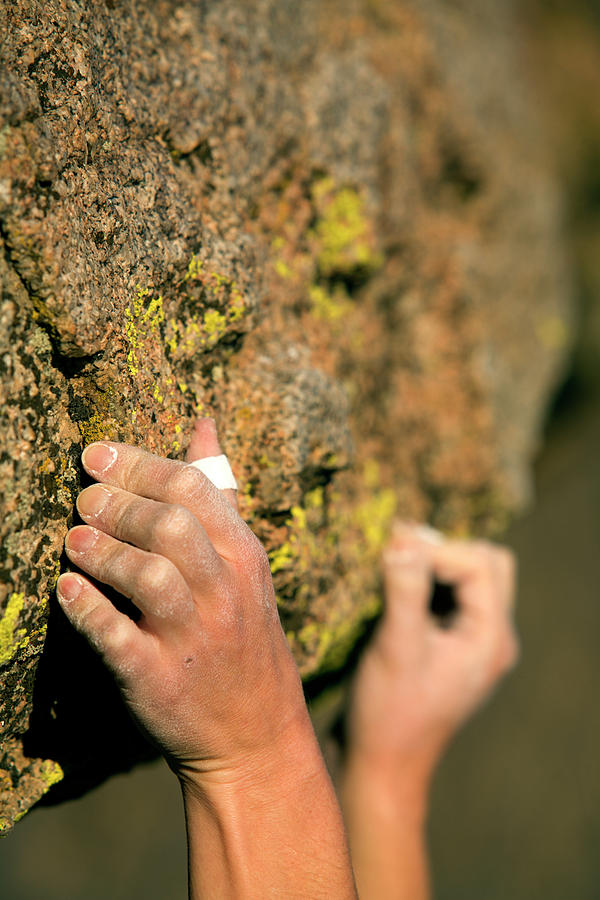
<point x="217" y="470"/>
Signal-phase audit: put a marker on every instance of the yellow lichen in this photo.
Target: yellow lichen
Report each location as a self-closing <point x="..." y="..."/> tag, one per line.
<point x="374" y="515"/>
<point x="283" y="269"/>
<point x="47" y="466"/>
<point x="142" y="320"/>
<point x="50" y="773"/>
<point x="96" y="428"/>
<point x="11" y="637"/>
<point x="331" y="642"/>
<point x="553" y="333"/>
<point x="214" y="325"/>
<point x="194" y="268"/>
<point x="329" y="306"/>
<point x="343" y="231"/>
<point x="281" y="558"/>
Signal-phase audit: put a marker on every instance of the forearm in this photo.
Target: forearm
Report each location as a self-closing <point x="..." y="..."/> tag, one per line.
<point x="278" y="833"/>
<point x="385" y="811"/>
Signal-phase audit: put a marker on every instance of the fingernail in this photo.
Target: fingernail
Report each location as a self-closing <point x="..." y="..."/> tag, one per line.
<point x="92" y="500"/>
<point x="429" y="534"/>
<point x="404" y="556"/>
<point x="98" y="458"/>
<point x="81" y="539"/>
<point x="68" y="587"/>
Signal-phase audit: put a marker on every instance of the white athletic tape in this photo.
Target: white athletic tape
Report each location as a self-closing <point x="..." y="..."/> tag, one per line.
<point x="217" y="470"/>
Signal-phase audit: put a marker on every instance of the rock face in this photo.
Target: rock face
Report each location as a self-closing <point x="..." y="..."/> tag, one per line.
<point x="332" y="225"/>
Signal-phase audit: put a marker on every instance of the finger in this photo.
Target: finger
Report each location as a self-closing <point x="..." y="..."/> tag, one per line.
<point x="169" y="481"/>
<point x="118" y="640"/>
<point x="152" y="582"/>
<point x="205" y="442"/>
<point x="407" y="583"/>
<point x="480" y="591"/>
<point x="161" y="528"/>
<point x="505" y="563"/>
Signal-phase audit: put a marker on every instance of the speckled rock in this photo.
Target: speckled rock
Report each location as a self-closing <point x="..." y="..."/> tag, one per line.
<point x="333" y="226"/>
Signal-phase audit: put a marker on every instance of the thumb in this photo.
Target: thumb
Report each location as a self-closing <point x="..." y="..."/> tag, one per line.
<point x="205" y="442"/>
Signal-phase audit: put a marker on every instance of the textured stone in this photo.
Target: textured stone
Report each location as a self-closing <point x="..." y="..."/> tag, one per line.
<point x="333" y="226"/>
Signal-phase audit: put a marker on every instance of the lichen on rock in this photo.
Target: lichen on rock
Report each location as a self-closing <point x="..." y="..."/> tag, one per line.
<point x="301" y="219"/>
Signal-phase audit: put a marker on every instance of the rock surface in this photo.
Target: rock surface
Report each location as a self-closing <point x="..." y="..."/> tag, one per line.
<point x="333" y="226"/>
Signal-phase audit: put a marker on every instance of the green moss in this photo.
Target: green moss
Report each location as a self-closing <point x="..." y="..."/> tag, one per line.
<point x="11" y="637"/>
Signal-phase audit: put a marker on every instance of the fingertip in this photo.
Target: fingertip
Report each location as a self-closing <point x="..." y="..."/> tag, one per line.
<point x="204" y="440"/>
<point x="417" y="531"/>
<point x="405" y="569"/>
<point x="99" y="457"/>
<point x="402" y="555"/>
<point x="68" y="587"/>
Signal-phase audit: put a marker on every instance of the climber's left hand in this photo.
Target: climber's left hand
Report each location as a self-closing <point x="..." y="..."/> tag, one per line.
<point x="205" y="669"/>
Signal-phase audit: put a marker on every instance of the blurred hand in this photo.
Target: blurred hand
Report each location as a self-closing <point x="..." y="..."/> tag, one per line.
<point x="418" y="681"/>
<point x="206" y="669"/>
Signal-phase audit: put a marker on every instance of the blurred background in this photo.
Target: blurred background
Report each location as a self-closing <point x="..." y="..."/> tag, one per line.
<point x="516" y="805"/>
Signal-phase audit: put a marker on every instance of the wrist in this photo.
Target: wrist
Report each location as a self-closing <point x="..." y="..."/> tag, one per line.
<point x="290" y="748"/>
<point x="272" y="827"/>
<point x="396" y="791"/>
<point x="295" y="756"/>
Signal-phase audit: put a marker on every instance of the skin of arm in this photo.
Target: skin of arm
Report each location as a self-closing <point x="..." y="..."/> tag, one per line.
<point x="417" y="683"/>
<point x="206" y="671"/>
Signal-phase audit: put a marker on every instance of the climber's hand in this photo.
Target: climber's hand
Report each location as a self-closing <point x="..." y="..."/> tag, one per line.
<point x="205" y="667"/>
<point x="419" y="681"/>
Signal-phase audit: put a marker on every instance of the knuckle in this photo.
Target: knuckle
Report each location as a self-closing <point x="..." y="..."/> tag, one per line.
<point x="484" y="551"/>
<point x="121" y="515"/>
<point x="501" y="558"/>
<point x="103" y="628"/>
<point x="174" y="521"/>
<point x="257" y="553"/>
<point x="155" y="575"/>
<point x="184" y="482"/>
<point x="494" y="560"/>
<point x="117" y="557"/>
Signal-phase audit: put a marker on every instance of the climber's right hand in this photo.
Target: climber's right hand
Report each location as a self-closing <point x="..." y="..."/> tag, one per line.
<point x="421" y="678"/>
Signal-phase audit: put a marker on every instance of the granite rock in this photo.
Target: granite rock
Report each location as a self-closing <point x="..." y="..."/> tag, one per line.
<point x="333" y="226"/>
